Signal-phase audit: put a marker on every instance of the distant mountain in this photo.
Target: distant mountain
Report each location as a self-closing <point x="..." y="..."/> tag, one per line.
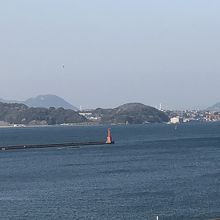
<point x="47" y="101"/>
<point x="44" y="101"/>
<point x="215" y="107"/>
<point x="132" y="113"/>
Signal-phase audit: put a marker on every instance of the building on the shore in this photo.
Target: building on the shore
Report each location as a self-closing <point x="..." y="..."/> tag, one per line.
<point x="176" y="120"/>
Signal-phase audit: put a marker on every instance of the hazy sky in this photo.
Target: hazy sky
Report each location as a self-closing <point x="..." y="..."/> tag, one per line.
<point x="113" y="51"/>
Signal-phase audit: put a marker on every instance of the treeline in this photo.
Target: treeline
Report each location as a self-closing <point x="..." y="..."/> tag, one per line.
<point x="132" y="113"/>
<point x="21" y="114"/>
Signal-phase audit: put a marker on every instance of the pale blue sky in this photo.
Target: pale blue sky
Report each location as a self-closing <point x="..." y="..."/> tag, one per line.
<point x="114" y="51"/>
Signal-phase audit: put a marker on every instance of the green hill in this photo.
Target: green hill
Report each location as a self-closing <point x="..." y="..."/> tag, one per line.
<point x="132" y="113"/>
<point x="15" y="113"/>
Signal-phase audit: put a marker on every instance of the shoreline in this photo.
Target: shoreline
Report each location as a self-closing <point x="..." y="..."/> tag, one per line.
<point x="100" y="124"/>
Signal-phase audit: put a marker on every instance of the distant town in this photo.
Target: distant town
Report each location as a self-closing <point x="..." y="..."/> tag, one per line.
<point x="192" y="116"/>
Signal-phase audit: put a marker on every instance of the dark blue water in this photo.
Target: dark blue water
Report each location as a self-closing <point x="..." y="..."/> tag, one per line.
<point x="151" y="170"/>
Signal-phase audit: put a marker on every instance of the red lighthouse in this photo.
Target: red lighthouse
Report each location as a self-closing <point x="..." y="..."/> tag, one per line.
<point x="109" y="137"/>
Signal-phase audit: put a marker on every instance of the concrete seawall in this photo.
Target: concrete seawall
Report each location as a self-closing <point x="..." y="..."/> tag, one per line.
<point x="54" y="145"/>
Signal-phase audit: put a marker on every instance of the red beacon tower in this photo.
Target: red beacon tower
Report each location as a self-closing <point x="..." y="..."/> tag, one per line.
<point x="109" y="137"/>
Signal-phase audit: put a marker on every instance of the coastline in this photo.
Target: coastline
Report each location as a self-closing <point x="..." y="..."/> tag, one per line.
<point x="101" y="124"/>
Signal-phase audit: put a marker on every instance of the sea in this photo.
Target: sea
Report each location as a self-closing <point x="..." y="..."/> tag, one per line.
<point x="153" y="171"/>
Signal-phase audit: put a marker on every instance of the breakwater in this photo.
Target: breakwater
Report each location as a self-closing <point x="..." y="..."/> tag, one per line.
<point x="55" y="145"/>
<point x="60" y="145"/>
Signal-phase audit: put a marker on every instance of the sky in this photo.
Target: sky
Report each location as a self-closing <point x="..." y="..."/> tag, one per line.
<point x="106" y="53"/>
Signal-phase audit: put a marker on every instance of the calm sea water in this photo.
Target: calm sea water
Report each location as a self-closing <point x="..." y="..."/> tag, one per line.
<point x="152" y="170"/>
